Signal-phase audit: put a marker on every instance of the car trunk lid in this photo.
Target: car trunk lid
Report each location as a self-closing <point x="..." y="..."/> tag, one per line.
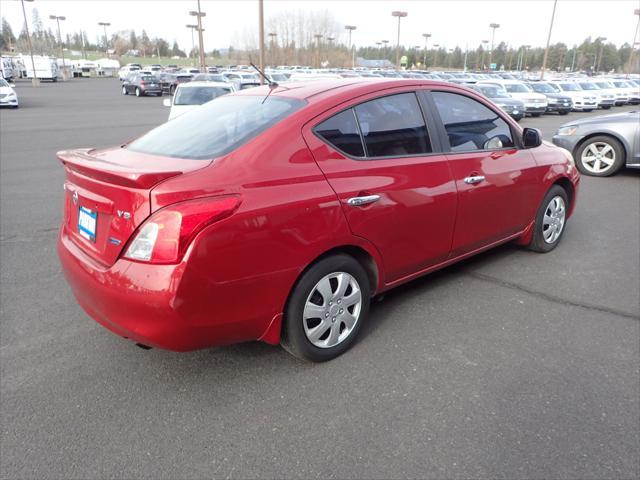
<point x="107" y="195"/>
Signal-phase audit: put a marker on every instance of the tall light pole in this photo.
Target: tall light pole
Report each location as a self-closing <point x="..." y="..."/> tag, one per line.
<point x="546" y="50"/>
<point x="193" y="42"/>
<point x="201" y="14"/>
<point x="318" y="37"/>
<point x="34" y="80"/>
<point x="260" y="36"/>
<point x="573" y="61"/>
<point x="350" y="29"/>
<point x="426" y="41"/>
<point x="633" y="44"/>
<point x="106" y="40"/>
<point x="493" y="27"/>
<point x="435" y="54"/>
<point x="397" y="13"/>
<point x="484" y="48"/>
<point x="524" y="60"/>
<point x="64" y="65"/>
<point x="602" y="40"/>
<point x="272" y="46"/>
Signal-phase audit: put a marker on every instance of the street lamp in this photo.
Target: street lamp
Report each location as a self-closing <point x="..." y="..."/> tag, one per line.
<point x="400" y="15"/>
<point x="34" y="80"/>
<point x="200" y="14"/>
<point x="524" y="60"/>
<point x="546" y="50"/>
<point x="635" y="35"/>
<point x="602" y="40"/>
<point x="351" y="28"/>
<point x="106" y="41"/>
<point x="193" y="42"/>
<point x="426" y="40"/>
<point x="493" y="27"/>
<point x="484" y="48"/>
<point x="64" y="65"/>
<point x="435" y="54"/>
<point x="272" y="46"/>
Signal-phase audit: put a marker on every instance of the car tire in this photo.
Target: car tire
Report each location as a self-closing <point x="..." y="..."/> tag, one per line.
<point x="551" y="220"/>
<point x="172" y="90"/>
<point x="124" y="90"/>
<point x="588" y="110"/>
<point x="563" y="112"/>
<point x="608" y="147"/>
<point x="321" y="290"/>
<point x="138" y="92"/>
<point x="535" y="115"/>
<point x="606" y="107"/>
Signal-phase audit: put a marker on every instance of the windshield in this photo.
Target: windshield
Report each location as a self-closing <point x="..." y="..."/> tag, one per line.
<point x="621" y="84"/>
<point x="216" y="128"/>
<point x="604" y="85"/>
<point x="209" y="77"/>
<point x="542" y="88"/>
<point x="3" y="83"/>
<point x="516" y="88"/>
<point x="148" y="78"/>
<point x="493" y="92"/>
<point x="570" y="87"/>
<point x="198" y="95"/>
<point x="589" y="86"/>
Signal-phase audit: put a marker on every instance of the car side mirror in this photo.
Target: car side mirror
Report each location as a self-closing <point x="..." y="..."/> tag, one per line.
<point x="531" y="138"/>
<point x="166" y="102"/>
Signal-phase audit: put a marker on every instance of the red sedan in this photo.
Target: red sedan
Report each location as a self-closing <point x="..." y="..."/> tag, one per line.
<point x="276" y="214"/>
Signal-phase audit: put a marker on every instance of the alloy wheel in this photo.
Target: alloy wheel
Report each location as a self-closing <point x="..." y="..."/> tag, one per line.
<point x="598" y="157"/>
<point x="332" y="310"/>
<point x="553" y="220"/>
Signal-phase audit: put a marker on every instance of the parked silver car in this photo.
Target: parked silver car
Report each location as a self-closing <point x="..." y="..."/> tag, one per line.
<point x="602" y="145"/>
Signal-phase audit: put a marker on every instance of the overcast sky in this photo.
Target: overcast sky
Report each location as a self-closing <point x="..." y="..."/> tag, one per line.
<point x="452" y="22"/>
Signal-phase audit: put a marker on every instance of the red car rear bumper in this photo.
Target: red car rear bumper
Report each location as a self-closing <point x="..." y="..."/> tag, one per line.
<point x="149" y="305"/>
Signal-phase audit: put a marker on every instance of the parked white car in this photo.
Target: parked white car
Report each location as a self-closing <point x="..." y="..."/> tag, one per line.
<point x="583" y="101"/>
<point x="193" y="94"/>
<point x="8" y="96"/>
<point x="619" y="97"/>
<point x="125" y="71"/>
<point x="535" y="104"/>
<point x="606" y="98"/>
<point x="632" y="92"/>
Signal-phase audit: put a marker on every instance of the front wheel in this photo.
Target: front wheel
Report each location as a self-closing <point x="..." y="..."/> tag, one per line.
<point x="535" y="115"/>
<point x="138" y="92"/>
<point x="563" y="112"/>
<point x="326" y="309"/>
<point x="550" y="220"/>
<point x="606" y="107"/>
<point x="600" y="156"/>
<point x="124" y="91"/>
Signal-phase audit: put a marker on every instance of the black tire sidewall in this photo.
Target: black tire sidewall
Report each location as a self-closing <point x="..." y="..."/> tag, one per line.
<point x="538" y="243"/>
<point x="294" y="338"/>
<point x="617" y="148"/>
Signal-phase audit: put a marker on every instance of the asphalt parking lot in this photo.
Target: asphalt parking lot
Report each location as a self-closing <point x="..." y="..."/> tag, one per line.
<point x="509" y="365"/>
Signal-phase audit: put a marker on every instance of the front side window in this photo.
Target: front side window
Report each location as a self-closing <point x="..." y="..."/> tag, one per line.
<point x="470" y="125"/>
<point x="217" y="127"/>
<point x="393" y="126"/>
<point x="341" y="131"/>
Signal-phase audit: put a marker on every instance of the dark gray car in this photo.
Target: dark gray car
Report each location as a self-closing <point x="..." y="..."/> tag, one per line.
<point x="513" y="107"/>
<point x="141" y="84"/>
<point x="602" y="145"/>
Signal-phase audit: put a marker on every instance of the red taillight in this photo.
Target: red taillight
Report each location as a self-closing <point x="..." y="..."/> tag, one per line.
<point x="142" y="84"/>
<point x="165" y="236"/>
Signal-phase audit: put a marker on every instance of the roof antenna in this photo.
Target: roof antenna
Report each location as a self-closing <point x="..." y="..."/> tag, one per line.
<point x="270" y="82"/>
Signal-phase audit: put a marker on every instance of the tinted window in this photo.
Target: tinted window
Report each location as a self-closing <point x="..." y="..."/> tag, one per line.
<point x="216" y="128"/>
<point x="198" y="95"/>
<point x="393" y="126"/>
<point x="341" y="131"/>
<point x="469" y="124"/>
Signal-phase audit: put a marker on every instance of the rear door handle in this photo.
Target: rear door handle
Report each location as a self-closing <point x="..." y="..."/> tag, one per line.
<point x="365" y="200"/>
<point x="473" y="179"/>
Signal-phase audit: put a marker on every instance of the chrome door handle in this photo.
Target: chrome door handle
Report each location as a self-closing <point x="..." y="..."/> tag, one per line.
<point x="366" y="200"/>
<point x="472" y="180"/>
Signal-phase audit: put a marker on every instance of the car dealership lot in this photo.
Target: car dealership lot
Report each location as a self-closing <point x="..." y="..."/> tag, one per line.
<point x="512" y="364"/>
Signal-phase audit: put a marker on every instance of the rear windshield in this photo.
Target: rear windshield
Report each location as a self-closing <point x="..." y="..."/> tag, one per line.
<point x="148" y="78"/>
<point x="198" y="95"/>
<point x="216" y="128"/>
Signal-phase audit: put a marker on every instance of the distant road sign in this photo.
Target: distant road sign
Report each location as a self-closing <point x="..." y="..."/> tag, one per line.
<point x="493" y="66"/>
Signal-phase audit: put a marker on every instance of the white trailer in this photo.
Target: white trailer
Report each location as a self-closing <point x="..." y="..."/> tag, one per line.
<point x="46" y="67"/>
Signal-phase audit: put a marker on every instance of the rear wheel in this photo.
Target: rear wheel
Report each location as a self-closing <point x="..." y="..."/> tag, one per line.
<point x="172" y="90"/>
<point x="535" y="114"/>
<point x="550" y="220"/>
<point x="124" y="90"/>
<point x="606" y="107"/>
<point x="138" y="92"/>
<point x="563" y="112"/>
<point x="326" y="309"/>
<point x="600" y="156"/>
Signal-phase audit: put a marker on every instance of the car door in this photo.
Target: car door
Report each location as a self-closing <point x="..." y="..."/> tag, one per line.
<point x="395" y="190"/>
<point x="495" y="178"/>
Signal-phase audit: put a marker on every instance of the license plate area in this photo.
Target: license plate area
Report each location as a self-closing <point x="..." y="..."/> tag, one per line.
<point x="87" y="223"/>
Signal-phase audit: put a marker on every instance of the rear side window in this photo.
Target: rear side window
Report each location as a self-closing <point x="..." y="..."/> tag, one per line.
<point x="341" y="131"/>
<point x="470" y="125"/>
<point x="393" y="126"/>
<point x="198" y="95"/>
